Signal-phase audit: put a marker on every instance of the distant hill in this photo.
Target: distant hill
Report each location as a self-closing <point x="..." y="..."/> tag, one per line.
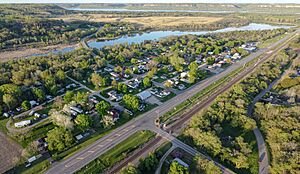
<point x="249" y="8"/>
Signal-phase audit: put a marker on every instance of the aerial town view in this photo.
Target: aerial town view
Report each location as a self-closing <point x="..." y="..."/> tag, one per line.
<point x="149" y="87"/>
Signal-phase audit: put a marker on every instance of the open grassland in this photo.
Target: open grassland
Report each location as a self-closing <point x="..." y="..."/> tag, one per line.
<point x="170" y="21"/>
<point x="152" y="21"/>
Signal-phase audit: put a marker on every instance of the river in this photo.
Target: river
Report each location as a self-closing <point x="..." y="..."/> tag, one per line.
<point x="155" y="35"/>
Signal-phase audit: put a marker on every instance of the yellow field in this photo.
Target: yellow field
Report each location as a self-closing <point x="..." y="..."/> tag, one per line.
<point x="153" y="21"/>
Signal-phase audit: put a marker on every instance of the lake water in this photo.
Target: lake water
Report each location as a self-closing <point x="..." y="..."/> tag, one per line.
<point x="57" y="51"/>
<point x="155" y="35"/>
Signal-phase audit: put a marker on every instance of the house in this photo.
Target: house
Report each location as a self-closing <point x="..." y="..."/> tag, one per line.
<point x="23" y="123"/>
<point x="138" y="80"/>
<point x="76" y="109"/>
<point x="114" y="114"/>
<point x="114" y="95"/>
<point x="115" y="75"/>
<point x="183" y="74"/>
<point x="108" y="69"/>
<point x="236" y="56"/>
<point x="170" y="81"/>
<point x="33" y="103"/>
<point x="133" y="84"/>
<point x="144" y="95"/>
<point x="181" y="162"/>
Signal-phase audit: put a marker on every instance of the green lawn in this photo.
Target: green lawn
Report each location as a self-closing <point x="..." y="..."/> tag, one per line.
<point x="117" y="153"/>
<point x="266" y="43"/>
<point x="166" y="98"/>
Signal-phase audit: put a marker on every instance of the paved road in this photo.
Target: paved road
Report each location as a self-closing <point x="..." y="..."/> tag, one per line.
<point x="162" y="159"/>
<point x="84" y="156"/>
<point x="262" y="150"/>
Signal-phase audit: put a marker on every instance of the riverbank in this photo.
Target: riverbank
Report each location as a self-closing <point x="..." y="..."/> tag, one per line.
<point x="25" y="52"/>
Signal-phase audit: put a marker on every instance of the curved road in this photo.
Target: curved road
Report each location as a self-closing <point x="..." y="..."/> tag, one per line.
<point x="262" y="148"/>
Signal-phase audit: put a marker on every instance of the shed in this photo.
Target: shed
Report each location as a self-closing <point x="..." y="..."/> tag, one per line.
<point x="181" y="162"/>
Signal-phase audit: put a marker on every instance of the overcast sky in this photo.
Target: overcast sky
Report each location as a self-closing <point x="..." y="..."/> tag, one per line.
<point x="145" y="1"/>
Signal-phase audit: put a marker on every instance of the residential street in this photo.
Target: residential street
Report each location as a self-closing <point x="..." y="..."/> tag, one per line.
<point x="146" y="121"/>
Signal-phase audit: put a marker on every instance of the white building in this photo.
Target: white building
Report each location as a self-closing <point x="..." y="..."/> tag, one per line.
<point x="23" y="123"/>
<point x="144" y="95"/>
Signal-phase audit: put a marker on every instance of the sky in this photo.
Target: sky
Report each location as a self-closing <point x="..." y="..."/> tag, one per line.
<point x="147" y="1"/>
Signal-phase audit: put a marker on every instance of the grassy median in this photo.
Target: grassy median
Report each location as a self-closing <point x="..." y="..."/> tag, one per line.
<point x="117" y="153"/>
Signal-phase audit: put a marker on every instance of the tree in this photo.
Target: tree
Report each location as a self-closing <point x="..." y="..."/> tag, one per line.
<point x="210" y="60"/>
<point x="147" y="81"/>
<point x="39" y="94"/>
<point x="193" y="67"/>
<point x="191" y="78"/>
<point x="59" y="139"/>
<point x="168" y="84"/>
<point x="118" y="69"/>
<point x="11" y="89"/>
<point x="61" y="75"/>
<point x="69" y="96"/>
<point x="81" y="97"/>
<point x="114" y="83"/>
<point x="176" y="168"/>
<point x="26" y="105"/>
<point x="9" y="100"/>
<point x="151" y="73"/>
<point x="134" y="61"/>
<point x="130" y="169"/>
<point x="83" y="121"/>
<point x="62" y="120"/>
<point x="149" y="163"/>
<point x="128" y="71"/>
<point x="107" y="121"/>
<point x="102" y="107"/>
<point x="131" y="101"/>
<point x="96" y="79"/>
<point x="176" y="62"/>
<point x="121" y="87"/>
<point x="205" y="166"/>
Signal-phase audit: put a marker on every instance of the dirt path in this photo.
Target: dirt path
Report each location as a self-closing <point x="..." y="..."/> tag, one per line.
<point x="10" y="153"/>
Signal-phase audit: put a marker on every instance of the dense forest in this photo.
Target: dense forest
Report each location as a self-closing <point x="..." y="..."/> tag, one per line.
<point x="30" y="26"/>
<point x="280" y="123"/>
<point x="19" y="31"/>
